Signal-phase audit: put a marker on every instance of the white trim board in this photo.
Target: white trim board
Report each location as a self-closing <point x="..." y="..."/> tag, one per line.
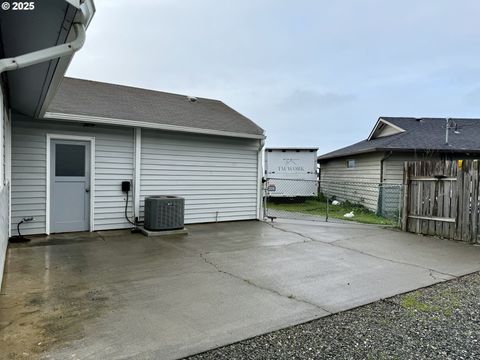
<point x="91" y="139"/>
<point x="147" y="125"/>
<point x="260" y="173"/>
<point x="383" y="121"/>
<point x="136" y="171"/>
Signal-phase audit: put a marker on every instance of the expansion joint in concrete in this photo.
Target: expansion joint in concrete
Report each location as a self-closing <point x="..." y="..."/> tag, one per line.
<point x="251" y="283"/>
<point x="432" y="272"/>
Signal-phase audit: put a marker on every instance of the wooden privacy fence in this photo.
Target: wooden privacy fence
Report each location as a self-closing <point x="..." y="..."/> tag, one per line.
<point x="442" y="198"/>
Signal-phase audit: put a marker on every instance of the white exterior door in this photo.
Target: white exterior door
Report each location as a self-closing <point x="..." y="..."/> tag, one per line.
<point x="69" y="186"/>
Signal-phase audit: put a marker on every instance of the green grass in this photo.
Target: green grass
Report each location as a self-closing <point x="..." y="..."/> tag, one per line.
<point x="318" y="207"/>
<point x="414" y="303"/>
<point x="443" y="303"/>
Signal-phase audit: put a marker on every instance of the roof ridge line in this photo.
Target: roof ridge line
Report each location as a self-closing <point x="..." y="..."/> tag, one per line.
<point x="139" y="88"/>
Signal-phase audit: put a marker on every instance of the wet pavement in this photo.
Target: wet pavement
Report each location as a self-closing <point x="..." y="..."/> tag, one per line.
<point x="118" y="295"/>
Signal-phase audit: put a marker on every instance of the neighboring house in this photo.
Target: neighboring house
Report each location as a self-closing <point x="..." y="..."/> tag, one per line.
<point x="36" y="47"/>
<point x="96" y="135"/>
<point x="380" y="158"/>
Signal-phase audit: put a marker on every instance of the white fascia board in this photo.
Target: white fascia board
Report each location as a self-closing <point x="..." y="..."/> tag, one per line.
<point x="88" y="11"/>
<point x="374" y="129"/>
<point x="292" y="149"/>
<point x="62" y="66"/>
<point x="75" y="3"/>
<point x="87" y="8"/>
<point x="147" y="125"/>
<point x="383" y="121"/>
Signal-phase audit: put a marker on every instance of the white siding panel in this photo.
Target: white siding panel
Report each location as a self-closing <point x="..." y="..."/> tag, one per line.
<point x="393" y="169"/>
<point x="367" y="169"/>
<point x="346" y="183"/>
<point x="113" y="164"/>
<point x="393" y="166"/>
<point x="217" y="176"/>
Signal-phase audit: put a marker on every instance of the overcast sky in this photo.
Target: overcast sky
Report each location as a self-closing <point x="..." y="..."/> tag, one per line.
<point x="311" y="73"/>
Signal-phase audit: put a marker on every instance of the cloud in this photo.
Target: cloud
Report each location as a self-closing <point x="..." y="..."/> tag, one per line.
<point x="311" y="100"/>
<point x="310" y="72"/>
<point x="472" y="98"/>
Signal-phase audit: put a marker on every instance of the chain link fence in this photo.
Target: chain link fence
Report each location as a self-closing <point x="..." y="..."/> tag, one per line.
<point x="334" y="201"/>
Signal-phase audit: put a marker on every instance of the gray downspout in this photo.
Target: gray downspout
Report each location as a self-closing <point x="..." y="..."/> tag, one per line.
<point x="386" y="157"/>
<point x="380" y="190"/>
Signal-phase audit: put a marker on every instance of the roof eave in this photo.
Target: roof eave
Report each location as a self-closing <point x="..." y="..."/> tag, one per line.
<point x="86" y="11"/>
<point x="360" y="152"/>
<point x="293" y="148"/>
<point x="148" y="125"/>
<point x="456" y="151"/>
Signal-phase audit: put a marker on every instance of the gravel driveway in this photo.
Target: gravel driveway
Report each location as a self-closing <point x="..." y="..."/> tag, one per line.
<point x="439" y="322"/>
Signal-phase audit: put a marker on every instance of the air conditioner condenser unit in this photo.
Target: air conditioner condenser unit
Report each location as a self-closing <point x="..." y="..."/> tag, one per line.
<point x="164" y="213"/>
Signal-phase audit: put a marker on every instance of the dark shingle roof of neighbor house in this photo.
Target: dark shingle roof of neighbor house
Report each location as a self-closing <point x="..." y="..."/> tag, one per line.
<point x="98" y="99"/>
<point x="421" y="134"/>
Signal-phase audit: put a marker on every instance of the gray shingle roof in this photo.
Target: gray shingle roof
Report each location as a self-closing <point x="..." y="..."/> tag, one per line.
<point x="97" y="99"/>
<point x="420" y="134"/>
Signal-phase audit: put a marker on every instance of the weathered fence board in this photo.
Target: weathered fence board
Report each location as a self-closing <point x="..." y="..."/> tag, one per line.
<point x="442" y="198"/>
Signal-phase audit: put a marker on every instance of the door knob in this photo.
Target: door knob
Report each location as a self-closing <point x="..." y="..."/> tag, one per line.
<point x="87" y="190"/>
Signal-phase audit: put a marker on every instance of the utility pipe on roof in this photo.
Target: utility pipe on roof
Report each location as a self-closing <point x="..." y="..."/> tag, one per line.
<point x="40" y="56"/>
<point x="446" y="130"/>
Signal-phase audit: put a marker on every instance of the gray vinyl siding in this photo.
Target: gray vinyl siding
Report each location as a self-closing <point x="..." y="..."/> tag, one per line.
<point x="114" y="154"/>
<point x="393" y="169"/>
<point x="217" y="176"/>
<point x="358" y="185"/>
<point x="367" y="169"/>
<point x="393" y="166"/>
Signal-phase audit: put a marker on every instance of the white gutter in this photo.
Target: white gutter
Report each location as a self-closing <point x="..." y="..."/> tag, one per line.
<point x="40" y="56"/>
<point x="147" y="125"/>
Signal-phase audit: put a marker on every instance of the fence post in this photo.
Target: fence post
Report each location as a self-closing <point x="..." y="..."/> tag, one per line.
<point x="474" y="201"/>
<point x="400" y="197"/>
<point x="326" y="215"/>
<point x="265" y="203"/>
<point x="406" y="181"/>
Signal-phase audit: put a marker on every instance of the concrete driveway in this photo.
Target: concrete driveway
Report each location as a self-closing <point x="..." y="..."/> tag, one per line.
<point x="114" y="295"/>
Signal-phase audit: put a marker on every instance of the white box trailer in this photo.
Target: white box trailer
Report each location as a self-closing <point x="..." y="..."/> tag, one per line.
<point x="291" y="172"/>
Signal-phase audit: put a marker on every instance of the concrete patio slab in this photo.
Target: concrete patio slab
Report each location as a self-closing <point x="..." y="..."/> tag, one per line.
<point x="118" y="295"/>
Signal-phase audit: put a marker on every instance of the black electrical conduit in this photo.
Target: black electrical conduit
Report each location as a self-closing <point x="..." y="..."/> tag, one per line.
<point x="126" y="215"/>
<point x="135" y="223"/>
<point x="20" y="238"/>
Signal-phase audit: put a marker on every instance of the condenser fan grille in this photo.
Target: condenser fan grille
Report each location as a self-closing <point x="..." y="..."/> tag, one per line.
<point x="164" y="213"/>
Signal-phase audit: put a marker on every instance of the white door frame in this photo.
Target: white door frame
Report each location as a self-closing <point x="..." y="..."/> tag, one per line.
<point x="91" y="139"/>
